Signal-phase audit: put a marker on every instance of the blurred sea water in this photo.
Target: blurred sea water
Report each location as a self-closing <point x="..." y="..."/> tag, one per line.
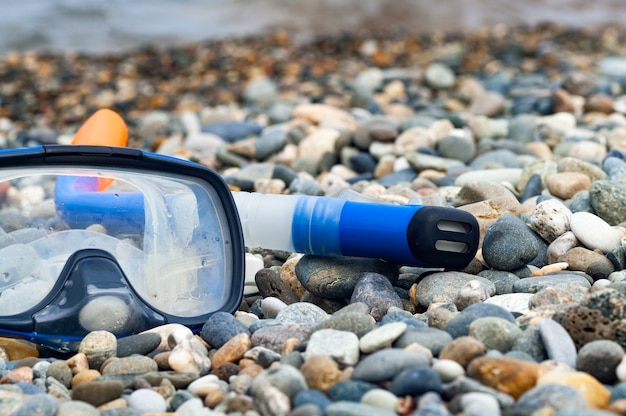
<point x="112" y="25"/>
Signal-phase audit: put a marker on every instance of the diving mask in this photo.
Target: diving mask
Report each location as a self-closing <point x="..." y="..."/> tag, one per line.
<point x="117" y="239"/>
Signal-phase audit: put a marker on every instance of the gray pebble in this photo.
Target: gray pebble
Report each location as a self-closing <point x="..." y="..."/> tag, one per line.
<point x="442" y="287"/>
<point x="558" y="343"/>
<point x="77" y="408"/>
<point x="38" y="405"/>
<point x="432" y="338"/>
<point x="505" y="253"/>
<point x="460" y="325"/>
<point x="600" y="359"/>
<point x="220" y="328"/>
<point x="302" y="313"/>
<point x="358" y="323"/>
<point x="384" y="364"/>
<point x="535" y="284"/>
<point x="346" y="408"/>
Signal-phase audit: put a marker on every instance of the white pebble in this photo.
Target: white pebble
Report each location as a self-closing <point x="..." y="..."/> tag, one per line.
<point x="594" y="232"/>
<point x="448" y="370"/>
<point x="381" y="337"/>
<point x="272" y="306"/>
<point x="202" y="382"/>
<point x="479" y="404"/>
<point x="600" y="284"/>
<point x="512" y="302"/>
<point x="381" y="399"/>
<point x="147" y="400"/>
<point x="342" y="346"/>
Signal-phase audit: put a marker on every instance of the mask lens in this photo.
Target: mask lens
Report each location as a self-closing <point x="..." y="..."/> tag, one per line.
<point x="169" y="234"/>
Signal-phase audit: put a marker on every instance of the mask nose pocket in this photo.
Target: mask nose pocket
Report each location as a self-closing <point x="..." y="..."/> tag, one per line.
<point x="95" y="295"/>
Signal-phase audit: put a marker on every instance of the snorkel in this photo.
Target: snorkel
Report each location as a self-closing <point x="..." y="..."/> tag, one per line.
<point x="418" y="235"/>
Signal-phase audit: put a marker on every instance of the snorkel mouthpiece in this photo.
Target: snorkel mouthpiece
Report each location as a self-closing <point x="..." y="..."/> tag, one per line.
<point x="93" y="294"/>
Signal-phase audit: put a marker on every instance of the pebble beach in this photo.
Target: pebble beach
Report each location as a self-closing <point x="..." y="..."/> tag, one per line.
<point x="523" y="127"/>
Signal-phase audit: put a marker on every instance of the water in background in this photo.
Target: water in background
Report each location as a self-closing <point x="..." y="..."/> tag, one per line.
<point x="101" y="25"/>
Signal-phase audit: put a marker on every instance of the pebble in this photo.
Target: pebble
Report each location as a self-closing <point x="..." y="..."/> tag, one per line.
<point x="495" y="333"/>
<point x="460" y="325"/>
<point x="554" y="396"/>
<point x="416" y="381"/>
<point x="221" y="327"/>
<point x="558" y="343"/>
<point x="376" y="291"/>
<point x="97" y="393"/>
<point x="600" y="359"/>
<point x="137" y="344"/>
<point x="97" y="347"/>
<point x="594" y="232"/>
<point x="442" y="287"/>
<point x="147" y="400"/>
<point x="504" y="253"/>
<point x="432" y="338"/>
<point x="342" y="346"/>
<point x="384" y="364"/>
<point x="550" y="219"/>
<point x="381" y="337"/>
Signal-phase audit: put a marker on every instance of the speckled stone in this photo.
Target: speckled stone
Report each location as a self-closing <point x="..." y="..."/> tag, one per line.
<point x="608" y="200"/>
<point x="97" y="347"/>
<point x="355" y="322"/>
<point x="442" y="287"/>
<point x="550" y="219"/>
<point x="495" y="333"/>
<point x="375" y="290"/>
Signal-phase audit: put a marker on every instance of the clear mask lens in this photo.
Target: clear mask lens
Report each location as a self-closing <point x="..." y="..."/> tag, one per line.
<point x="169" y="234"/>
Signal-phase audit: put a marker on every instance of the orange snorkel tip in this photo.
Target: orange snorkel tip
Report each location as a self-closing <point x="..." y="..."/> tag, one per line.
<point x="104" y="128"/>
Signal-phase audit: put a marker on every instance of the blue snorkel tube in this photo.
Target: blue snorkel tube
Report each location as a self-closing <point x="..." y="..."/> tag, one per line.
<point x="415" y="235"/>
